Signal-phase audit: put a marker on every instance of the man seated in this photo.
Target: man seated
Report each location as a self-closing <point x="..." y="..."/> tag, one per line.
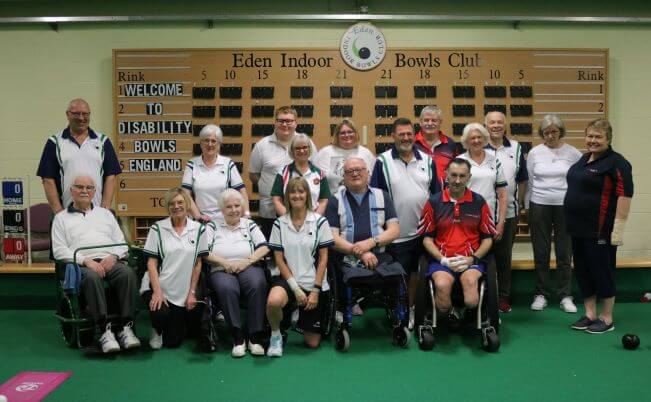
<point x="458" y="230"/>
<point x="83" y="224"/>
<point x="363" y="221"/>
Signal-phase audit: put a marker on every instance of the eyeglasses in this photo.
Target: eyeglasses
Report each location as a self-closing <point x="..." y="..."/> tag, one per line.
<point x="285" y="122"/>
<point x="81" y="187"/>
<point x="79" y="114"/>
<point x="551" y="132"/>
<point x="301" y="148"/>
<point x="347" y="133"/>
<point x="354" y="171"/>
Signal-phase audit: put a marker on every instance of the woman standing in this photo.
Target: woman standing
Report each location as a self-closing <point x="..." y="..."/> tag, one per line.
<point x="598" y="199"/>
<point x="486" y="175"/>
<point x="330" y="159"/>
<point x="299" y="239"/>
<point x="300" y="151"/>
<point x="174" y="246"/>
<point x="236" y="248"/>
<point x="547" y="165"/>
<point x="210" y="173"/>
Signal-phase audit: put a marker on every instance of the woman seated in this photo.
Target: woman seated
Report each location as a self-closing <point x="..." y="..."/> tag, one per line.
<point x="299" y="239"/>
<point x="319" y="192"/>
<point x="236" y="246"/>
<point x="174" y="246"/>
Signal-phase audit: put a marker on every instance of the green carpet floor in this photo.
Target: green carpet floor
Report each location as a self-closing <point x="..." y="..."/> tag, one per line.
<point x="541" y="359"/>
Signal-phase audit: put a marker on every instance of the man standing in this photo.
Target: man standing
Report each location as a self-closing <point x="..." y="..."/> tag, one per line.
<point x="509" y="153"/>
<point x="267" y="157"/>
<point x="431" y="140"/>
<point x="82" y="224"/>
<point x="76" y="150"/>
<point x="409" y="176"/>
<point x="458" y="230"/>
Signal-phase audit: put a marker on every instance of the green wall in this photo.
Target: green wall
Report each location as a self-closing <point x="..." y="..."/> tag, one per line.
<point x="42" y="69"/>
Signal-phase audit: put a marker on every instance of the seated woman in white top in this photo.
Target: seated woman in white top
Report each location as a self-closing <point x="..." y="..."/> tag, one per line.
<point x="330" y="159"/>
<point x="236" y="246"/>
<point x="210" y="173"/>
<point x="547" y="165"/>
<point x="486" y="175"/>
<point x="299" y="239"/>
<point x="300" y="151"/>
<point x="174" y="246"/>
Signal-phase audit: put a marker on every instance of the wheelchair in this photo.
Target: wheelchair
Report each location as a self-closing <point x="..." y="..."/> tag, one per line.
<point x="487" y="321"/>
<point x="77" y="329"/>
<point x="389" y="293"/>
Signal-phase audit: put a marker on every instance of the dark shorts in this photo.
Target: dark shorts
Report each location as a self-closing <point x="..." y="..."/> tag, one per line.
<point x="407" y="253"/>
<point x="308" y="320"/>
<point x="434" y="266"/>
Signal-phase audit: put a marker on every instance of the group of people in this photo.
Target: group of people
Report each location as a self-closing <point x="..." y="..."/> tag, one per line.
<point x="458" y="204"/>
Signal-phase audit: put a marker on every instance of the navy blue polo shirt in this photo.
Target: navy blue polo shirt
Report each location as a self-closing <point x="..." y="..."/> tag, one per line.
<point x="360" y="212"/>
<point x="592" y="192"/>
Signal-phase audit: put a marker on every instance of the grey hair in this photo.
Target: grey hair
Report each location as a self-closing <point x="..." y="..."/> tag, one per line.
<point x="551" y="120"/>
<point x="493" y="111"/>
<point x="431" y="109"/>
<point x="210" y="129"/>
<point x="82" y="176"/>
<point x="299" y="137"/>
<point x="227" y="195"/>
<point x="351" y="158"/>
<point x="469" y="128"/>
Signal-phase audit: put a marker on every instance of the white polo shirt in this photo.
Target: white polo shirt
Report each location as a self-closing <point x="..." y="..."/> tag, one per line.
<point x="233" y="243"/>
<point x="72" y="229"/>
<point x="300" y="246"/>
<point x="330" y="160"/>
<point x="548" y="170"/>
<point x="177" y="255"/>
<point x="267" y="157"/>
<point x="314" y="177"/>
<point x="408" y="184"/>
<point x="207" y="183"/>
<point x="515" y="171"/>
<point x="486" y="178"/>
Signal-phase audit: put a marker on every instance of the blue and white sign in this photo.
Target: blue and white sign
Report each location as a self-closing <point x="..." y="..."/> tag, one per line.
<point x="12" y="192"/>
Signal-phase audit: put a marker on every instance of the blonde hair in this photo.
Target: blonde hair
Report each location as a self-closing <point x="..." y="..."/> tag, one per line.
<point x="293" y="185"/>
<point x="172" y="193"/>
<point x="344" y="122"/>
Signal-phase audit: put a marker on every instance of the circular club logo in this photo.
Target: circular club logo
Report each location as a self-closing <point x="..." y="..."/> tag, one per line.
<point x="363" y="46"/>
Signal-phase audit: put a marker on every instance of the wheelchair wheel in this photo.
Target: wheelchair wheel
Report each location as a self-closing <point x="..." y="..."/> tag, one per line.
<point x="422" y="302"/>
<point x="401" y="336"/>
<point x="342" y="340"/>
<point x="426" y="338"/>
<point x="87" y="337"/>
<point x="490" y="340"/>
<point x="491" y="298"/>
<point x="68" y="330"/>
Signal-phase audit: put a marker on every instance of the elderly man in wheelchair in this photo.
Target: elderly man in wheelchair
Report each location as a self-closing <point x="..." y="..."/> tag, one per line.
<point x="84" y="227"/>
<point x="459" y="231"/>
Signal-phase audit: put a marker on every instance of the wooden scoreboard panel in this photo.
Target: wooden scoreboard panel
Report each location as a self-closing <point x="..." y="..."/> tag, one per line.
<point x="163" y="97"/>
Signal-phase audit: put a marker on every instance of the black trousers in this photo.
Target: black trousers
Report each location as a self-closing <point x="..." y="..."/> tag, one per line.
<point x="594" y="265"/>
<point x="174" y="322"/>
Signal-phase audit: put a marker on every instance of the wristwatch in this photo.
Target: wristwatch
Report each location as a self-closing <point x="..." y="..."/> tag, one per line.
<point x="377" y="241"/>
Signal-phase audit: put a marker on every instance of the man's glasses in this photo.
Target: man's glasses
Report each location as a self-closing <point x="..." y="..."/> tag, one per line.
<point x="353" y="172"/>
<point x="79" y="114"/>
<point x="81" y="187"/>
<point x="285" y="122"/>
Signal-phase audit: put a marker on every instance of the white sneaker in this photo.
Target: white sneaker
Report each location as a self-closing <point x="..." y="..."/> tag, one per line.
<point x="539" y="303"/>
<point x="412" y="315"/>
<point x="239" y="350"/>
<point x="357" y="310"/>
<point x="220" y="316"/>
<point x="567" y="305"/>
<point x="128" y="340"/>
<point x="108" y="342"/>
<point x="275" y="346"/>
<point x="155" y="340"/>
<point x="256" y="349"/>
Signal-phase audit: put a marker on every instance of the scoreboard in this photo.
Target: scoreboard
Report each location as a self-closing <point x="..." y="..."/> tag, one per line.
<point x="163" y="97"/>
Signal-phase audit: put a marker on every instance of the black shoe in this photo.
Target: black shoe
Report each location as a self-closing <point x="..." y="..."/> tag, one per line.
<point x="582" y="323"/>
<point x="599" y="326"/>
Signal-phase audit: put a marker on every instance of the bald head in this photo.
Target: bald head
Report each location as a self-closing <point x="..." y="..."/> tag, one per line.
<point x="78" y="115"/>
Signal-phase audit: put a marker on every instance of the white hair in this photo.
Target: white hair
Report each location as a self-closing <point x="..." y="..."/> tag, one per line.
<point x="228" y="194"/>
<point x="469" y="128"/>
<point x="351" y="158"/>
<point x="431" y="109"/>
<point x="493" y="111"/>
<point x="209" y="130"/>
